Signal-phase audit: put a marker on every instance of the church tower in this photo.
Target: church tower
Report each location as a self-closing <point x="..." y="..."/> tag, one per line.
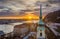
<point x="41" y="27"/>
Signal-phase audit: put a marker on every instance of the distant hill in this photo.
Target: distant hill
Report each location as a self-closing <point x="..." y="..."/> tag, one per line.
<point x="53" y="17"/>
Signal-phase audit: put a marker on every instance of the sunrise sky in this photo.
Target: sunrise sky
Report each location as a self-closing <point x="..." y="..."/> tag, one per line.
<point x="14" y="7"/>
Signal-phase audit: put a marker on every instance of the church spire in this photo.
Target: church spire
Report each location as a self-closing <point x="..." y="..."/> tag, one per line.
<point x="41" y="20"/>
<point x="40" y="12"/>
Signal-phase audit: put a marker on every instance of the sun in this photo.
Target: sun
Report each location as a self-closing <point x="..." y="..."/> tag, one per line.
<point x="29" y="17"/>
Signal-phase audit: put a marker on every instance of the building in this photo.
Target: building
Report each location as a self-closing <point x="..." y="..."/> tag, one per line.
<point x="41" y="28"/>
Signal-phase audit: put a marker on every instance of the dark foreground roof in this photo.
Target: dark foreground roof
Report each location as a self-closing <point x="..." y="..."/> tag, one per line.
<point x="53" y="17"/>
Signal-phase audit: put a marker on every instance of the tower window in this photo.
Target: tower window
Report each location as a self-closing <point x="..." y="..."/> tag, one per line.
<point x="40" y="34"/>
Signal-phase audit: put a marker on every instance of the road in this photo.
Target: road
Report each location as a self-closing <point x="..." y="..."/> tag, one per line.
<point x="50" y="34"/>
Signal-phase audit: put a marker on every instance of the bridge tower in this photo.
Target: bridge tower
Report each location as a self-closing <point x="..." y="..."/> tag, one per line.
<point x="41" y="27"/>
